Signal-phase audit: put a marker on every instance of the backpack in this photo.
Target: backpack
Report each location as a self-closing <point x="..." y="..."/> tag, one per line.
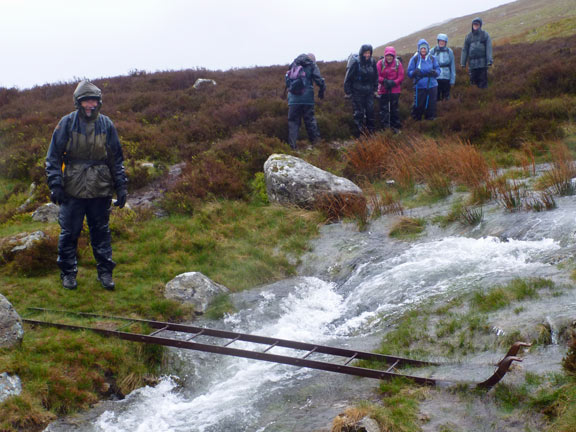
<point x="296" y="80"/>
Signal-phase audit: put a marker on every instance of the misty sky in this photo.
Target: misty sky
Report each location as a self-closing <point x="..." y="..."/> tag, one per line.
<point x="44" y="41"/>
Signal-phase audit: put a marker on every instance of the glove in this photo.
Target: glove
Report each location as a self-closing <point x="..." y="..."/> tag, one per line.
<point x="321" y="93"/>
<point x="390" y="84"/>
<point x="121" y="196"/>
<point x="417" y="74"/>
<point x="432" y="74"/>
<point x="57" y="195"/>
<point x="348" y="96"/>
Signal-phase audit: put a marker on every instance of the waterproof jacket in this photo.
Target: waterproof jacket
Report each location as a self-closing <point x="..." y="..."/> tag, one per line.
<point x="445" y="57"/>
<point x="426" y="65"/>
<point x="390" y="71"/>
<point x="361" y="74"/>
<point x="85" y="156"/>
<point x="477" y="49"/>
<point x="312" y="76"/>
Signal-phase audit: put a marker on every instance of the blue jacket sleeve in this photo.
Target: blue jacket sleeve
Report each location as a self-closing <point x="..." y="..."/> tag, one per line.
<point x="452" y="68"/>
<point x="55" y="155"/>
<point x="489" y="59"/>
<point x="411" y="67"/>
<point x="436" y="67"/>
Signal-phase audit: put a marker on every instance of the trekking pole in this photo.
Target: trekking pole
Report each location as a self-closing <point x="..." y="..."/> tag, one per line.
<point x="427" y="94"/>
<point x="389" y="112"/>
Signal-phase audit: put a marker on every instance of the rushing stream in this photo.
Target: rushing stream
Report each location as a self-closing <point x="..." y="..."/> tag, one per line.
<point x="350" y="283"/>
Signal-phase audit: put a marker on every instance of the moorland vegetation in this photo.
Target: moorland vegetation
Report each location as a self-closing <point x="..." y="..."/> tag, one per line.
<point x="219" y="221"/>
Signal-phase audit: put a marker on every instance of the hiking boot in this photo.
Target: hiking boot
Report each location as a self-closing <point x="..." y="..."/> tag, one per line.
<point x="107" y="281"/>
<point x="69" y="281"/>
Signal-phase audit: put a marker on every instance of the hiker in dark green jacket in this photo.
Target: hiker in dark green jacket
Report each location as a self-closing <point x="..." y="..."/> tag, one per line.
<point x="477" y="52"/>
<point x="84" y="168"/>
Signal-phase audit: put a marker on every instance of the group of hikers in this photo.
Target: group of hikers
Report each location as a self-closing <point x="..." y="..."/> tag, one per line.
<point x="432" y="70"/>
<point x="85" y="164"/>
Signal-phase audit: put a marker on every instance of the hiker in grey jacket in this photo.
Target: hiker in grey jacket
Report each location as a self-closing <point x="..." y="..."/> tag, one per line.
<point x="84" y="168"/>
<point x="445" y="57"/>
<point x="301" y="101"/>
<point x="477" y="52"/>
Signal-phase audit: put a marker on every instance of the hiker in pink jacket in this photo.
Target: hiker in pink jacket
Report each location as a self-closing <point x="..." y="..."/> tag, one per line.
<point x="390" y="77"/>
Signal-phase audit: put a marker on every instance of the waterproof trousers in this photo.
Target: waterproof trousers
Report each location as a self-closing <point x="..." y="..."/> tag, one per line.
<point x="389" y="115"/>
<point x="71" y="220"/>
<point x="479" y="77"/>
<point x="443" y="89"/>
<point x="297" y="113"/>
<point x="425" y="103"/>
<point x="363" y="104"/>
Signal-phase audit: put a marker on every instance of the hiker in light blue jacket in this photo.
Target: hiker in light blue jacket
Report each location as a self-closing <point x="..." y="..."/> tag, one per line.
<point x="424" y="69"/>
<point x="445" y="58"/>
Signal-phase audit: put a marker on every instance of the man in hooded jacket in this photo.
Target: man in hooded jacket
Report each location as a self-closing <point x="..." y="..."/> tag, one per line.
<point x="477" y="52"/>
<point x="84" y="167"/>
<point x="360" y="84"/>
<point x="301" y="105"/>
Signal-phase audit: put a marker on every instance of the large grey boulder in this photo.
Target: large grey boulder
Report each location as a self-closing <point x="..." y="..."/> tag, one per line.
<point x="11" y="331"/>
<point x="9" y="386"/>
<point x="46" y="213"/>
<point x="194" y="288"/>
<point x="293" y="181"/>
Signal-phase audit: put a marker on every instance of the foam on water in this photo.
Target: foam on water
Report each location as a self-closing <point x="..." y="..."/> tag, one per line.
<point x="304" y="316"/>
<point x="317" y="311"/>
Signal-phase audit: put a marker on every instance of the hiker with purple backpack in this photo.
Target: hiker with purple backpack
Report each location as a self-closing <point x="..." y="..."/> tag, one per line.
<point x="300" y="79"/>
<point x="424" y="69"/>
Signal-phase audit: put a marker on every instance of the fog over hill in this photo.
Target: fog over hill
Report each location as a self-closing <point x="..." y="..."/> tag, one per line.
<point x="520" y="21"/>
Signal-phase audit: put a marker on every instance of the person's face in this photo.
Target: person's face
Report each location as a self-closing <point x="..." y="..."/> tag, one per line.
<point x="366" y="55"/>
<point x="389" y="58"/>
<point x="89" y="105"/>
<point x="441" y="43"/>
<point x="423" y="51"/>
<point x="475" y="26"/>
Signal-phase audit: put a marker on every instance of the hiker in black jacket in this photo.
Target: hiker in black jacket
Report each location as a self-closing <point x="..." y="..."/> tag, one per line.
<point x="360" y="84"/>
<point x="477" y="52"/>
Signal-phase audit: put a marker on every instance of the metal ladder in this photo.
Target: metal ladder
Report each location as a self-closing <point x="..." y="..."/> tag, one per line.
<point x="302" y="351"/>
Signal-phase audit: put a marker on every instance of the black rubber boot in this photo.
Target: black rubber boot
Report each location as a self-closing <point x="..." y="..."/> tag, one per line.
<point x="107" y="281"/>
<point x="69" y="281"/>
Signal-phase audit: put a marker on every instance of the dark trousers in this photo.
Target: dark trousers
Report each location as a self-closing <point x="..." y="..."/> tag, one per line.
<point x="389" y="116"/>
<point x="363" y="104"/>
<point x="443" y="89"/>
<point x="425" y="103"/>
<point x="295" y="115"/>
<point x="479" y="77"/>
<point x="71" y="220"/>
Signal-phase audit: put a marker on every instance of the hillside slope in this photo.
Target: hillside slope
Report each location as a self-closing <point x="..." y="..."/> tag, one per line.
<point x="519" y="21"/>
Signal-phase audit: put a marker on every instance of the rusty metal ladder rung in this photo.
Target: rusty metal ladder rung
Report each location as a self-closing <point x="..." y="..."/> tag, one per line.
<point x="309" y="353"/>
<point x="351" y="359"/>
<point x="158" y="331"/>
<point x="270" y="347"/>
<point x="195" y="335"/>
<point x="232" y="341"/>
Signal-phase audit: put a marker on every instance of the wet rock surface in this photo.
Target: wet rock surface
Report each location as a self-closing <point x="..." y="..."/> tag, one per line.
<point x="10" y="385"/>
<point x="292" y="181"/>
<point x="11" y="331"/>
<point x="46" y="213"/>
<point x="194" y="288"/>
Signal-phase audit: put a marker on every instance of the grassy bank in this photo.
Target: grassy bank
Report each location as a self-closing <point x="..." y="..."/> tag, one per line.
<point x="235" y="243"/>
